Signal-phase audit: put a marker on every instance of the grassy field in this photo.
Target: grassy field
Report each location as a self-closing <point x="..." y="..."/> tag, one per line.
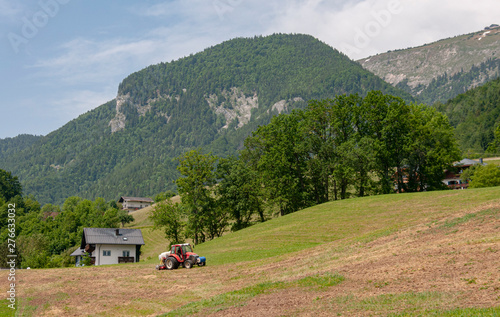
<point x="432" y="254"/>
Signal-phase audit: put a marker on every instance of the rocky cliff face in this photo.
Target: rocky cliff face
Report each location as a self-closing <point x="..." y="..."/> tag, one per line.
<point x="416" y="68"/>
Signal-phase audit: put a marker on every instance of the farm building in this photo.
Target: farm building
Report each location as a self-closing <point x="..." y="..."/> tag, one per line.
<point x="453" y="176"/>
<point x="135" y="203"/>
<point x="110" y="246"/>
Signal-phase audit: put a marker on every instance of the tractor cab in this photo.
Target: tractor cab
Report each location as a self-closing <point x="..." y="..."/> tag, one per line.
<point x="183" y="251"/>
<point x="181" y="254"/>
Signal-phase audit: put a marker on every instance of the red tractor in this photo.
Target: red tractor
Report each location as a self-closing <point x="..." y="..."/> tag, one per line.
<point x="180" y="254"/>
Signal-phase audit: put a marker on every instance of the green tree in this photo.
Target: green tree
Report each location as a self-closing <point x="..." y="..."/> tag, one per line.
<point x="280" y="155"/>
<point x="9" y="185"/>
<point x="124" y="217"/>
<point x="344" y="120"/>
<point x="494" y="146"/>
<point x="164" y="196"/>
<point x="319" y="139"/>
<point x="432" y="148"/>
<point x="387" y="117"/>
<point x="169" y="216"/>
<point x="239" y="192"/>
<point x="34" y="250"/>
<point x="195" y="189"/>
<point x="485" y="176"/>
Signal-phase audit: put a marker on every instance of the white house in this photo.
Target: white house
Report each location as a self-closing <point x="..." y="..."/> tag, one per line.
<point x="110" y="245"/>
<point x="135" y="203"/>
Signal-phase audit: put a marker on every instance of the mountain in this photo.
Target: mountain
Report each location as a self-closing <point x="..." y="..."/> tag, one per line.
<point x="474" y="115"/>
<point x="442" y="70"/>
<point x="10" y="146"/>
<point x="212" y="99"/>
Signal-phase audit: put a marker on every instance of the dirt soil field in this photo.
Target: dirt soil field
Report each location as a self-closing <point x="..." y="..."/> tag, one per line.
<point x="438" y="265"/>
<point x="446" y="266"/>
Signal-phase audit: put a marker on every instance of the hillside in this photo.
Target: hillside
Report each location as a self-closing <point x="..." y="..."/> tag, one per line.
<point x="431" y="253"/>
<point x="212" y="99"/>
<point x="474" y="115"/>
<point x="10" y="146"/>
<point x="441" y="70"/>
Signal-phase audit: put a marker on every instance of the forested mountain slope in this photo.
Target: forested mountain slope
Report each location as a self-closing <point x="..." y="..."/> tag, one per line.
<point x="212" y="99"/>
<point x="441" y="70"/>
<point x="10" y="146"/>
<point x="475" y="115"/>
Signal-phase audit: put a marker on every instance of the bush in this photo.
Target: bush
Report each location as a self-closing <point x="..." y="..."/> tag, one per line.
<point x="485" y="176"/>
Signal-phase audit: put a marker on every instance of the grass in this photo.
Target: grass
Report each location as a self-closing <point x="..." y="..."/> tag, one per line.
<point x="321" y="281"/>
<point x="5" y="310"/>
<point x="450" y="223"/>
<point x="274" y="257"/>
<point x="240" y="297"/>
<point x="360" y="220"/>
<point x="223" y="301"/>
<point x="457" y="312"/>
<point x="408" y="304"/>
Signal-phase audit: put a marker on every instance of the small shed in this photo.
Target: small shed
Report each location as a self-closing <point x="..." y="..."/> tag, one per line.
<point x="78" y="254"/>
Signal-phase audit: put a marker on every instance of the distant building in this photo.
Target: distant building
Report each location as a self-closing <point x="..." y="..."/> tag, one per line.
<point x="453" y="176"/>
<point x="109" y="246"/>
<point x="135" y="203"/>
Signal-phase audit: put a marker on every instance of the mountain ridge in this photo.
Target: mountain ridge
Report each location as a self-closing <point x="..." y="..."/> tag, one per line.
<point x="428" y="71"/>
<point x="211" y="100"/>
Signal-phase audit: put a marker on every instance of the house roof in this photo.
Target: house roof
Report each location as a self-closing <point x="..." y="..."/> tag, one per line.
<point x="139" y="199"/>
<point x="77" y="252"/>
<point x="110" y="236"/>
<point x="468" y="162"/>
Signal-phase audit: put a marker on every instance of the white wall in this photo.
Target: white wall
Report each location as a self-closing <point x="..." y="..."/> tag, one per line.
<point x="116" y="251"/>
<point x="135" y="204"/>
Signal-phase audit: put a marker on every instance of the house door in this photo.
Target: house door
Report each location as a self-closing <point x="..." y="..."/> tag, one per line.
<point x="126" y="258"/>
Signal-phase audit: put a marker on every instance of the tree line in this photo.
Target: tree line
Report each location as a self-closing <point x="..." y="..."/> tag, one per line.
<point x="46" y="236"/>
<point x="348" y="146"/>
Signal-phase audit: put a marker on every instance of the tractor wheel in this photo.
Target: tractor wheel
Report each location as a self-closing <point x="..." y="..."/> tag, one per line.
<point x="188" y="264"/>
<point x="171" y="263"/>
<point x="201" y="264"/>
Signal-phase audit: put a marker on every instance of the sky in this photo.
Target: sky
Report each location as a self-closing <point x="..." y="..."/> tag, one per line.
<point x="62" y="58"/>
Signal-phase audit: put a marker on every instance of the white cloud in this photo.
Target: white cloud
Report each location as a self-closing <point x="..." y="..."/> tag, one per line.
<point x="83" y="61"/>
<point x="410" y="23"/>
<point x="79" y="101"/>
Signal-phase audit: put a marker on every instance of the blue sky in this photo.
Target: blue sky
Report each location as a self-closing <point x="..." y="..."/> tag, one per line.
<point x="62" y="58"/>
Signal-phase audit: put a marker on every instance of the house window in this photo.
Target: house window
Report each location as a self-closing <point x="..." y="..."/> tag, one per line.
<point x="106" y="252"/>
<point x="126" y="253"/>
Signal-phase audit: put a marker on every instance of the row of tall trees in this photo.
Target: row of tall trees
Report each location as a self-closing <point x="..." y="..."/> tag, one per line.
<point x="348" y="146"/>
<point x="334" y="149"/>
